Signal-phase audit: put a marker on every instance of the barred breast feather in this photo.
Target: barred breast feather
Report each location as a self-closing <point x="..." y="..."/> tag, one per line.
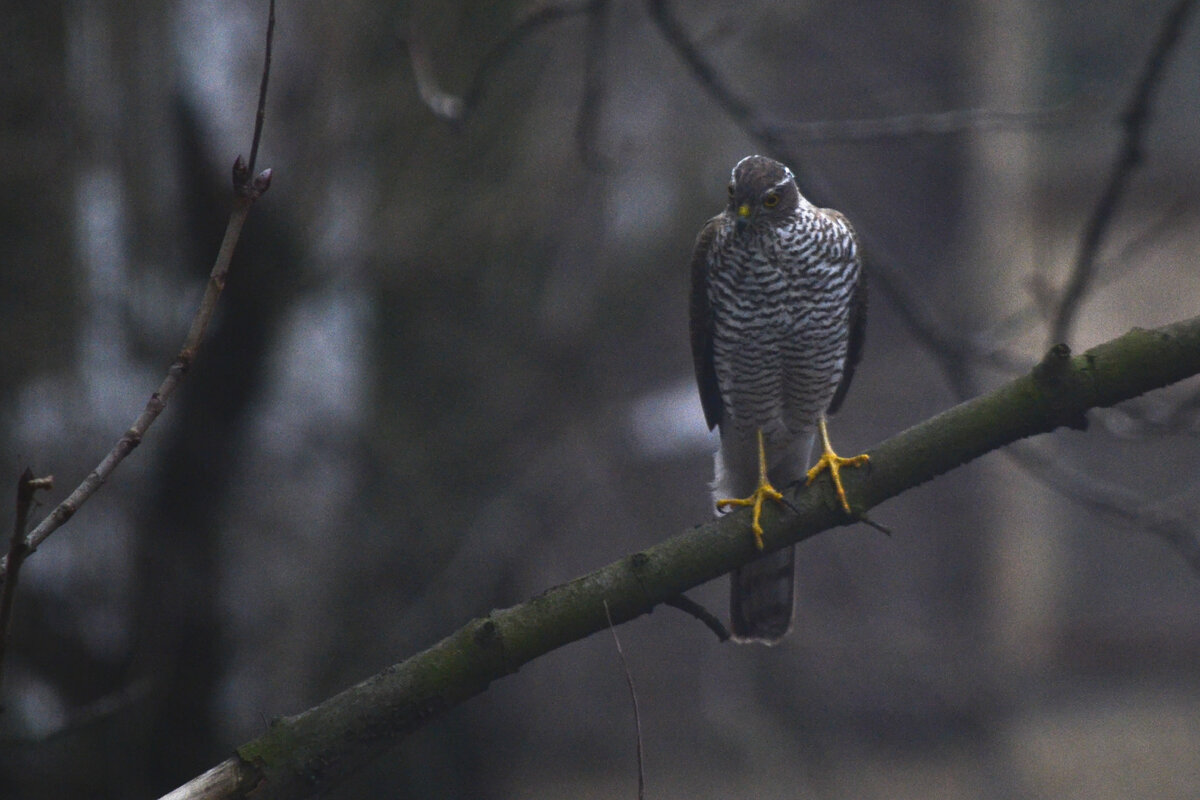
<point x="781" y="304"/>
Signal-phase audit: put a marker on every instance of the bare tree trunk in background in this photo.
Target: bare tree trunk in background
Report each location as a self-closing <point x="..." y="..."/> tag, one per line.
<point x="37" y="298"/>
<point x="1024" y="559"/>
<point x="181" y="650"/>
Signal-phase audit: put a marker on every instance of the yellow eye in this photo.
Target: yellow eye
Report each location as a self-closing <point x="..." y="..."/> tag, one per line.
<point x="771" y="200"/>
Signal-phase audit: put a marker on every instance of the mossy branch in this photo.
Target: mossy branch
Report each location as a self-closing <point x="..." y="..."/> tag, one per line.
<point x="312" y="751"/>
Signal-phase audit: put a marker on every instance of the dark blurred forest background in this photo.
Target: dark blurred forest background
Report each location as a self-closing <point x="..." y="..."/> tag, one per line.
<point x="451" y="369"/>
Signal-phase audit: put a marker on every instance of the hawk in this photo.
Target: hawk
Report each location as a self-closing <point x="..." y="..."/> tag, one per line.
<point x="778" y="309"/>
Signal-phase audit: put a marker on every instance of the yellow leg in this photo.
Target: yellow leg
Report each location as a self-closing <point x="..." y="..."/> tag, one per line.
<point x="833" y="462"/>
<point x="764" y="490"/>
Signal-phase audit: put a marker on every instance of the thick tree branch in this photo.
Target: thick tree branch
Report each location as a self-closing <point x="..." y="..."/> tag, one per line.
<point x="312" y="751"/>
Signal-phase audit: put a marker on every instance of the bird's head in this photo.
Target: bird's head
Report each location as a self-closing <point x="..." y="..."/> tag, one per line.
<point x="762" y="193"/>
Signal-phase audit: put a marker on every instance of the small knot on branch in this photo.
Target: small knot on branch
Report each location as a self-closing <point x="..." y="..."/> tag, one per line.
<point x="246" y="186"/>
<point x="27" y="485"/>
<point x="41" y="483"/>
<point x="1052" y="376"/>
<point x="1053" y="368"/>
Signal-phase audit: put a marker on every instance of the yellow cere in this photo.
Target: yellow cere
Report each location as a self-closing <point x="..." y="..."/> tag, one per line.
<point x="744" y="210"/>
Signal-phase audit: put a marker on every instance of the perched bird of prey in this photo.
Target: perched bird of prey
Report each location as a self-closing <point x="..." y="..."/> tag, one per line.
<point x="777" y="314"/>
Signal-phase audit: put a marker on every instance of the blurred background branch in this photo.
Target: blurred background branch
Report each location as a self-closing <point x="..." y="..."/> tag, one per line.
<point x="27" y="484"/>
<point x="1133" y="121"/>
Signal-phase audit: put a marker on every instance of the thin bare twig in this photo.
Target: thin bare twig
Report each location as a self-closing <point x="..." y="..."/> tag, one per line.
<point x="936" y="123"/>
<point x="89" y="715"/>
<point x="454" y="108"/>
<point x="18" y="550"/>
<point x="1109" y="269"/>
<point x="247" y="187"/>
<point x="736" y="107"/>
<point x="1176" y="526"/>
<point x="870" y="523"/>
<point x="444" y="105"/>
<point x="1149" y="240"/>
<point x="506" y="46"/>
<point x="1134" y="120"/>
<point x="637" y="717"/>
<point x="1149" y="417"/>
<point x="781" y="136"/>
<point x="689" y="606"/>
<point x="261" y="114"/>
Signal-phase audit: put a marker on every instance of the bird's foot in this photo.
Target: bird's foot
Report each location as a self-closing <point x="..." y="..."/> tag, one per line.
<point x="764" y="491"/>
<point x="831" y="461"/>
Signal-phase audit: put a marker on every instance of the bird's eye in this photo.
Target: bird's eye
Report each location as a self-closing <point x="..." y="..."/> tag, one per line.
<point x="771" y="200"/>
<point x="731" y="191"/>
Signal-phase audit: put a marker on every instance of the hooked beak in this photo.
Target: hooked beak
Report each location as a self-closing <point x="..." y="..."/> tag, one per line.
<point x="743" y="217"/>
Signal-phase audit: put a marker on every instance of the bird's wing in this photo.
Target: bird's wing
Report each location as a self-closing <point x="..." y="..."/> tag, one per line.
<point x="858" y="327"/>
<point x="702" y="328"/>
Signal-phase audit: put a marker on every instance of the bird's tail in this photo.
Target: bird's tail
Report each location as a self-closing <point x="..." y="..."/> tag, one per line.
<point x="762" y="593"/>
<point x="761" y="597"/>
